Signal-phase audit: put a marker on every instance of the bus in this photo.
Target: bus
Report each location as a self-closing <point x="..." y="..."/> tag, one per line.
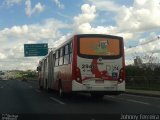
<point x="90" y="63"/>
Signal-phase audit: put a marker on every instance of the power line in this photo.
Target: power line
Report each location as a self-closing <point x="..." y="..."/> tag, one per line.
<point x="152" y="40"/>
<point x="146" y="42"/>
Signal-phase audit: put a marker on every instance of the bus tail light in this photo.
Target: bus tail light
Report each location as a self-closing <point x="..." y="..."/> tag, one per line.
<point x="121" y="75"/>
<point x="78" y="75"/>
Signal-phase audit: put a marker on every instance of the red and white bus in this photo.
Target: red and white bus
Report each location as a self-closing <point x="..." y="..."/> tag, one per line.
<point x="92" y="63"/>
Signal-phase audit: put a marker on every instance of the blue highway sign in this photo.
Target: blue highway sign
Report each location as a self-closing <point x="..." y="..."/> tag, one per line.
<point x="35" y="49"/>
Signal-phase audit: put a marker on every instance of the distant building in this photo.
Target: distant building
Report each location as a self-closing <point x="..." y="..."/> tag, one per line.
<point x="138" y="61"/>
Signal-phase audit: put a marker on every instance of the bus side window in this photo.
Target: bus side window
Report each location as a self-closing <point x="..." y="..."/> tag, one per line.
<point x="70" y="52"/>
<point x="66" y="54"/>
<point x="61" y="56"/>
<point x="61" y="52"/>
<point x="57" y="58"/>
<point x="70" y="47"/>
<point x="54" y="59"/>
<point x="66" y="50"/>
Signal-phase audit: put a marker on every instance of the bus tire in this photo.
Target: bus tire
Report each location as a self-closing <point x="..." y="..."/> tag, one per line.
<point x="60" y="91"/>
<point x="40" y="86"/>
<point x="46" y="85"/>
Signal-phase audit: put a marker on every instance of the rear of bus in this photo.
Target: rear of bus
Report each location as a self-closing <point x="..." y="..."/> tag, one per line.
<point x="98" y="64"/>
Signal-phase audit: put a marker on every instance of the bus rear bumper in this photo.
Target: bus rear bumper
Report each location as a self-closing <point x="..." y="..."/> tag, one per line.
<point x="101" y="92"/>
<point x="101" y="88"/>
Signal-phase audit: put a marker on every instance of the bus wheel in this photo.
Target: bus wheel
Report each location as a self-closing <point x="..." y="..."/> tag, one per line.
<point x="40" y="86"/>
<point x="61" y="93"/>
<point x="47" y="87"/>
<point x="97" y="95"/>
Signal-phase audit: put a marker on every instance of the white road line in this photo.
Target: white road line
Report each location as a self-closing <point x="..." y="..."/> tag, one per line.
<point x="37" y="90"/>
<point x="110" y="96"/>
<point x="142" y="96"/>
<point x="114" y="97"/>
<point x="138" y="102"/>
<point x="56" y="100"/>
<point x="30" y="87"/>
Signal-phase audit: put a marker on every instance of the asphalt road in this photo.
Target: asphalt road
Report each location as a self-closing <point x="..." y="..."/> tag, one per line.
<point x="19" y="97"/>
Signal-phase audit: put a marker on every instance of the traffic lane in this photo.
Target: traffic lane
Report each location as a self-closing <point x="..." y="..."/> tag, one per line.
<point x="83" y="103"/>
<point x="20" y="97"/>
<point x="110" y="104"/>
<point x="154" y="101"/>
<point x="134" y="105"/>
<point x="4" y="83"/>
<point x="8" y="97"/>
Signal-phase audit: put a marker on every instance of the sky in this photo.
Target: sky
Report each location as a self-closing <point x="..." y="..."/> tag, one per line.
<point x="54" y="21"/>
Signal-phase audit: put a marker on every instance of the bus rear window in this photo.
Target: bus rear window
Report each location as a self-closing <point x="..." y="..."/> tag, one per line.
<point x="99" y="46"/>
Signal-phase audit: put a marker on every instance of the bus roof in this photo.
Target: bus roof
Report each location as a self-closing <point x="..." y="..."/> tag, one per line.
<point x="86" y="35"/>
<point x="79" y="35"/>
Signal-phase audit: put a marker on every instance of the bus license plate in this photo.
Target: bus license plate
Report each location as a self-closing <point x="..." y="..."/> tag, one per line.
<point x="99" y="81"/>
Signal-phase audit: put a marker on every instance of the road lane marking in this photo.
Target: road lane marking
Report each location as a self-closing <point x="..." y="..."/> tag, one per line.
<point x="130" y="100"/>
<point x="37" y="90"/>
<point x="138" y="102"/>
<point x="30" y="86"/>
<point x="56" y="100"/>
<point x="111" y="96"/>
<point x="114" y="97"/>
<point x="142" y="96"/>
<point x="157" y="106"/>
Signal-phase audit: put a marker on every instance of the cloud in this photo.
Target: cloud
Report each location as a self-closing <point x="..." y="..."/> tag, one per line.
<point x="14" y="38"/>
<point x="38" y="8"/>
<point x="87" y="15"/>
<point x="2" y="56"/>
<point x="63" y="15"/>
<point x="126" y="35"/>
<point x="62" y="39"/>
<point x="105" y="5"/>
<point x="152" y="47"/>
<point x="48" y="29"/>
<point x="131" y="23"/>
<point x="128" y="24"/>
<point x="10" y="3"/>
<point x="82" y="21"/>
<point x="83" y="24"/>
<point x="142" y="16"/>
<point x="59" y="4"/>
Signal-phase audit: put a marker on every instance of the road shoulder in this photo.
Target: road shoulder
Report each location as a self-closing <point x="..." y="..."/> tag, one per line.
<point x="143" y="92"/>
